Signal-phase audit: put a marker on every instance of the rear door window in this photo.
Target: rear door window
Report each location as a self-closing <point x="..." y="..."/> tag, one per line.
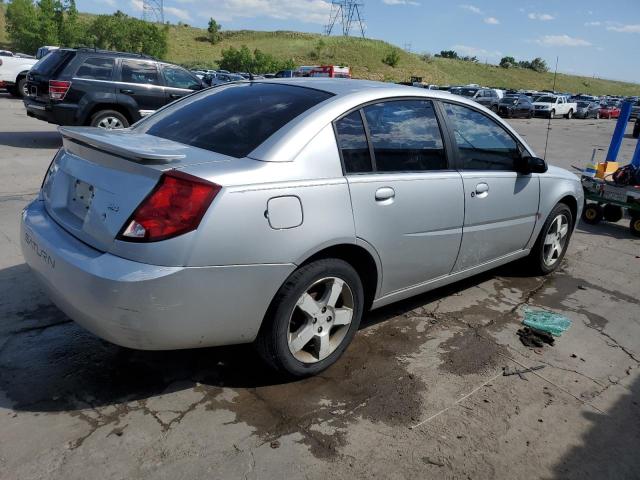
<point x="405" y="136"/>
<point x="233" y="120"/>
<point x="96" y="68"/>
<point x="137" y="71"/>
<point x="353" y="145"/>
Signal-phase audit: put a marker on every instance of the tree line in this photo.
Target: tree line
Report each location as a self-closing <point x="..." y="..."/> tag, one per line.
<point x="31" y="25"/>
<point x="537" y="64"/>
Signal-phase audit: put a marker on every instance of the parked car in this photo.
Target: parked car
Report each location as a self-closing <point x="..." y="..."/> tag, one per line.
<point x="222" y="78"/>
<point x="635" y="110"/>
<point x="587" y="109"/>
<point x="13" y="73"/>
<point x="609" y="110"/>
<point x="331" y="71"/>
<point x="515" y="106"/>
<point x="103" y="88"/>
<point x="191" y="230"/>
<point x="553" y="105"/>
<point x="636" y="128"/>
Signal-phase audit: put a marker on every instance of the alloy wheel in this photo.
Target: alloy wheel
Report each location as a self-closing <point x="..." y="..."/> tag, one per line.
<point x="555" y="240"/>
<point x="110" y="123"/>
<point x="320" y="320"/>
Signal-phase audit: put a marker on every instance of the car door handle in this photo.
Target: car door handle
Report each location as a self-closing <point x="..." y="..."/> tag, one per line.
<point x="175" y="95"/>
<point x="482" y="190"/>
<point x="126" y="90"/>
<point x="385" y="193"/>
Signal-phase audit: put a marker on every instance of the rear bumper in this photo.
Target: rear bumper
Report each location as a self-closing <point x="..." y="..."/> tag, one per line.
<point x="143" y="306"/>
<point x="60" y="114"/>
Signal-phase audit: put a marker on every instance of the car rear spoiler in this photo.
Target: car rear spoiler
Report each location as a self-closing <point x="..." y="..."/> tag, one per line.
<point x="125" y="144"/>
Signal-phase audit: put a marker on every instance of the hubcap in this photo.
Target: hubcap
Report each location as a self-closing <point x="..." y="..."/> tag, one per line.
<point x="110" y="123"/>
<point x="555" y="240"/>
<point x="320" y="320"/>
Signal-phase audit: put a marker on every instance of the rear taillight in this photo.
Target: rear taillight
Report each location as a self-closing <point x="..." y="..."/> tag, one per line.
<point x="58" y="89"/>
<point x="175" y="206"/>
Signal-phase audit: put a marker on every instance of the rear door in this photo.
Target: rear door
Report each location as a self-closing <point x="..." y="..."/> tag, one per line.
<point x="140" y="86"/>
<point x="407" y="202"/>
<point x="178" y="82"/>
<point x="500" y="204"/>
<point x="94" y="76"/>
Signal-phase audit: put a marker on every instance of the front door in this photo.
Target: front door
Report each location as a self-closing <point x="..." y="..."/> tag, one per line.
<point x="501" y="205"/>
<point x="406" y="201"/>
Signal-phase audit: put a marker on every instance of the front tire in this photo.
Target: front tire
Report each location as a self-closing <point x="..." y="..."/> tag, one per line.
<point x="552" y="114"/>
<point x="109" y="120"/>
<point x="551" y="245"/>
<point x="312" y="319"/>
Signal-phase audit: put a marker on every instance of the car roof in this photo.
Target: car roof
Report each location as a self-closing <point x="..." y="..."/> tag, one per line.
<point x="348" y="94"/>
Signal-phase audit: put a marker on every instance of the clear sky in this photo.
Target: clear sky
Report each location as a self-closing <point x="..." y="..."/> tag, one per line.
<point x="591" y="37"/>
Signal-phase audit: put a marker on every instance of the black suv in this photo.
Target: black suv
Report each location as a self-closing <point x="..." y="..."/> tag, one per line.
<point x="103" y="88"/>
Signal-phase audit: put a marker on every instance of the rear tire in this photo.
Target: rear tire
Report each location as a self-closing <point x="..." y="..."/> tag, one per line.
<point x="592" y="214"/>
<point x="569" y="115"/>
<point x="612" y="213"/>
<point x="299" y="337"/>
<point x="19" y="90"/>
<point x="109" y="120"/>
<point x="553" y="241"/>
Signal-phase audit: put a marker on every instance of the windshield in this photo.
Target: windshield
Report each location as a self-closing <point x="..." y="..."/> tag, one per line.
<point x="509" y="99"/>
<point x="233" y="119"/>
<point x="50" y="63"/>
<point x="546" y="99"/>
<point x="583" y="104"/>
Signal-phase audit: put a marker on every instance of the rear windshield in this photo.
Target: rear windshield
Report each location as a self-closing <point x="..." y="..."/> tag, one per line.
<point x="51" y="63"/>
<point x="233" y="119"/>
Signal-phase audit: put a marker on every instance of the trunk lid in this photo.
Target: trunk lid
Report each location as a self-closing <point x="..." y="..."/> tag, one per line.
<point x="100" y="177"/>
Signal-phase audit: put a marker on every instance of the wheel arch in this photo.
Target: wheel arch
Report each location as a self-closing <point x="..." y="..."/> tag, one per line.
<point x="362" y="257"/>
<point x="107" y="106"/>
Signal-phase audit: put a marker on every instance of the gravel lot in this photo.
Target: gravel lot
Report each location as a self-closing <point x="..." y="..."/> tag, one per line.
<point x="74" y="407"/>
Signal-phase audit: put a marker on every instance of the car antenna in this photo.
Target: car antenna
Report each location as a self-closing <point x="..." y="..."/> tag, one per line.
<point x="546" y="142"/>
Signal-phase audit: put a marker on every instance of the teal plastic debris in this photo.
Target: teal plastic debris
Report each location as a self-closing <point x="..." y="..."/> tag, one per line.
<point x="554" y="323"/>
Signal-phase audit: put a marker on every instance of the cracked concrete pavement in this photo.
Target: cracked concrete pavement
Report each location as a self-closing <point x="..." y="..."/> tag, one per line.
<point x="397" y="405"/>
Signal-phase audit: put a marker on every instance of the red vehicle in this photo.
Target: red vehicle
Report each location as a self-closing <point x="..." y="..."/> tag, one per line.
<point x="609" y="111"/>
<point x="332" y="71"/>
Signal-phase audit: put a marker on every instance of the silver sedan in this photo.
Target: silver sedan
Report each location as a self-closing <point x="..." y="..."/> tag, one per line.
<point x="279" y="212"/>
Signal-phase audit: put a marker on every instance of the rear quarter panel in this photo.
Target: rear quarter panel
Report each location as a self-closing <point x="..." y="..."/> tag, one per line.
<point x="236" y="229"/>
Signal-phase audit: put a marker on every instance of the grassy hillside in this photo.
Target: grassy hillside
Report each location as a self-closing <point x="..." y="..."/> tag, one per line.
<point x="189" y="46"/>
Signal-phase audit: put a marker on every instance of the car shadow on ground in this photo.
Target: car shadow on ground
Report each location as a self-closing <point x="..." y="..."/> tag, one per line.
<point x="48" y="363"/>
<point x="609" y="448"/>
<point x="614" y="230"/>
<point x="37" y="139"/>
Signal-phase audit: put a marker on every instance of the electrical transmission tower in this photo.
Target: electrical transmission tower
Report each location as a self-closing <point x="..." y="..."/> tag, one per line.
<point x="346" y="13"/>
<point x="153" y="11"/>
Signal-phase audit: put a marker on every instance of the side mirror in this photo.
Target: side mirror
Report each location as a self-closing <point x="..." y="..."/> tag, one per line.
<point x="527" y="165"/>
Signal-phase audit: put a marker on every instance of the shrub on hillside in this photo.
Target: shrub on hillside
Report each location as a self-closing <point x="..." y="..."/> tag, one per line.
<point x="243" y="60"/>
<point x="392" y="58"/>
